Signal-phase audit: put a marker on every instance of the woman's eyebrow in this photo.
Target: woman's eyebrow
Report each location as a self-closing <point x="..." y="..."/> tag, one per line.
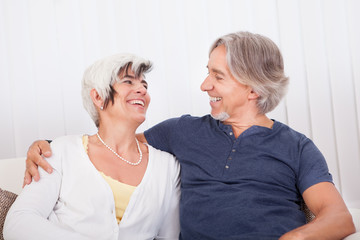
<point x="128" y="76"/>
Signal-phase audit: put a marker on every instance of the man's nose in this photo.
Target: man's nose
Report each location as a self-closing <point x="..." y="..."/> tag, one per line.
<point x="206" y="84"/>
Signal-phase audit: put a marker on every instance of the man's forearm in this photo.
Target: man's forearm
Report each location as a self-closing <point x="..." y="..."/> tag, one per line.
<point x="325" y="226"/>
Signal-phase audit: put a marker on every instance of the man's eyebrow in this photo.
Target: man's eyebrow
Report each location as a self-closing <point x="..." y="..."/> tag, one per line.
<point x="216" y="70"/>
<point x="143" y="81"/>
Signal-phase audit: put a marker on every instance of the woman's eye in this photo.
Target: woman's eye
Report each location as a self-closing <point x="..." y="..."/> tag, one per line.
<point x="145" y="86"/>
<point x="127" y="81"/>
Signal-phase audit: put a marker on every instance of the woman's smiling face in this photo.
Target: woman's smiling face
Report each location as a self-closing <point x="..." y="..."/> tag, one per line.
<point x="131" y="98"/>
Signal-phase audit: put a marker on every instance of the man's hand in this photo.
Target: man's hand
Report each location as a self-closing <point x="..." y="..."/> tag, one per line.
<point x="35" y="159"/>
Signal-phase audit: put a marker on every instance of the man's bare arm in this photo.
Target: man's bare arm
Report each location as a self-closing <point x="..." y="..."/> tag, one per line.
<point x="35" y="159"/>
<point x="332" y="221"/>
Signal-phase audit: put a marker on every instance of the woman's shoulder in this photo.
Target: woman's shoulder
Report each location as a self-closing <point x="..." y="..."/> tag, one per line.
<point x="65" y="140"/>
<point x="162" y="158"/>
<point x="164" y="166"/>
<point x="63" y="145"/>
<point x="154" y="152"/>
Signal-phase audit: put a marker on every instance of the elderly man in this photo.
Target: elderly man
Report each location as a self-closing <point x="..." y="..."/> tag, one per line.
<point x="243" y="175"/>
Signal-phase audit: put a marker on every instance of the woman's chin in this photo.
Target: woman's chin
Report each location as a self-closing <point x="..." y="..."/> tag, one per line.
<point x="140" y="120"/>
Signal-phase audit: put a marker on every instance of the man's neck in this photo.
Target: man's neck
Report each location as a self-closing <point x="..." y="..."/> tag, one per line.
<point x="240" y="124"/>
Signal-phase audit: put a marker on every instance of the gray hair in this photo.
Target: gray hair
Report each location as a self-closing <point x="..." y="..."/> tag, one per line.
<point x="104" y="73"/>
<point x="254" y="60"/>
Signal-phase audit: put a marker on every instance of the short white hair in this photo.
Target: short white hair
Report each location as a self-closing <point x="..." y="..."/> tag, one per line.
<point x="103" y="74"/>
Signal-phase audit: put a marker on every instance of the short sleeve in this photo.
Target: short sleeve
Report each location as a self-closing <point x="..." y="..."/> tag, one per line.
<point x="161" y="135"/>
<point x="313" y="168"/>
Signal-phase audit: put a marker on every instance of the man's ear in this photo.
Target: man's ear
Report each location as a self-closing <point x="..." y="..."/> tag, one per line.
<point x="96" y="98"/>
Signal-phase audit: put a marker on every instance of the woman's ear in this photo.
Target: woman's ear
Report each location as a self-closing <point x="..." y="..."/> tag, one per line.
<point x="253" y="95"/>
<point x="96" y="98"/>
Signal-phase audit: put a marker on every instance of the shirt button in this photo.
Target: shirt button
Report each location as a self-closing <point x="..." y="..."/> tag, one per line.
<point x="230" y="158"/>
<point x="231" y="133"/>
<point x="226" y="166"/>
<point x="233" y="150"/>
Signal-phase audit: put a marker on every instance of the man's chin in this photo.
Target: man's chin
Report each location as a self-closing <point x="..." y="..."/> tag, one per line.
<point x="221" y="116"/>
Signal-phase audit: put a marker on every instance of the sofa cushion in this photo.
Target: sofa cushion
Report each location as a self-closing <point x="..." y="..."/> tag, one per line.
<point x="6" y="200"/>
<point x="308" y="214"/>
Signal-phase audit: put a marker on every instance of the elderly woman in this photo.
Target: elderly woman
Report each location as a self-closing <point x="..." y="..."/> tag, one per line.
<point x="107" y="185"/>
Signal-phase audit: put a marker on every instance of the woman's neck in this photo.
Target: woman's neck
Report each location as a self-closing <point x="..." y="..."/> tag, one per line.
<point x="119" y="137"/>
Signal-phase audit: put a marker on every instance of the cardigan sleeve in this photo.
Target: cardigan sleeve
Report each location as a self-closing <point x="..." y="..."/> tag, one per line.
<point x="28" y="216"/>
<point x="170" y="229"/>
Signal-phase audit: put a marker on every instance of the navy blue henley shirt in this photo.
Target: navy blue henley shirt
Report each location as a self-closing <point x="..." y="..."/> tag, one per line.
<point x="239" y="188"/>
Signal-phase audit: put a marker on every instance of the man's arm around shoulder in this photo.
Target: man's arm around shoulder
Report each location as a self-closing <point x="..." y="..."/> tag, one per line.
<point x="35" y="159"/>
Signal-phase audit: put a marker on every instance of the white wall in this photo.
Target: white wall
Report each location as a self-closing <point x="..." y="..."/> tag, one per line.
<point x="46" y="44"/>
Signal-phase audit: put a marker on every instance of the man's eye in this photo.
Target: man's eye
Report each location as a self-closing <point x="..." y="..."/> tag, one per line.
<point x="127" y="81"/>
<point x="145" y="86"/>
<point x="218" y="77"/>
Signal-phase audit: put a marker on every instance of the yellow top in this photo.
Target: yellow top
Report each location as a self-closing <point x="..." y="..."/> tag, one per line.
<point x="122" y="192"/>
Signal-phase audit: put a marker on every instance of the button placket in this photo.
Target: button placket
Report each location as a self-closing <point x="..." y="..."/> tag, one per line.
<point x="230" y="156"/>
<point x="229" y="159"/>
<point x="232" y="152"/>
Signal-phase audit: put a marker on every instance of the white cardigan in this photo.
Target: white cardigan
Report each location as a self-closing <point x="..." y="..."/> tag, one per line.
<point x="75" y="202"/>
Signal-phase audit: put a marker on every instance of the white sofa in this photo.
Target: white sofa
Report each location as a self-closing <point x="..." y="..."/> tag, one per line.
<point x="12" y="175"/>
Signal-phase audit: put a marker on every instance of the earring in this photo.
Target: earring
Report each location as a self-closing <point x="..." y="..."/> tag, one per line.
<point x="101" y="108"/>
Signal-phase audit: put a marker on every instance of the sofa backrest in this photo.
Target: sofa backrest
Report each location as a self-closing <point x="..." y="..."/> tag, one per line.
<point x="12" y="174"/>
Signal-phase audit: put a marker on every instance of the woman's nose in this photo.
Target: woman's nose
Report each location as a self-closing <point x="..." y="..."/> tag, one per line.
<point x="140" y="88"/>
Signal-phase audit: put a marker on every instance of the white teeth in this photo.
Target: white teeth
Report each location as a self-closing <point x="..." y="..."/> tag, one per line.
<point x="137" y="102"/>
<point x="215" y="99"/>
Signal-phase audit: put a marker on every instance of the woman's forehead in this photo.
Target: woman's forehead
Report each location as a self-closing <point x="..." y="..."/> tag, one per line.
<point x="127" y="72"/>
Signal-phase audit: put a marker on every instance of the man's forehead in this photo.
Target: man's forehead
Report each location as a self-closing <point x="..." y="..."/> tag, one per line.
<point x="219" y="68"/>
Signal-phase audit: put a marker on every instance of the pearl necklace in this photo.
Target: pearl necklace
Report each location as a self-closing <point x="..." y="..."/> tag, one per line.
<point x="128" y="162"/>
